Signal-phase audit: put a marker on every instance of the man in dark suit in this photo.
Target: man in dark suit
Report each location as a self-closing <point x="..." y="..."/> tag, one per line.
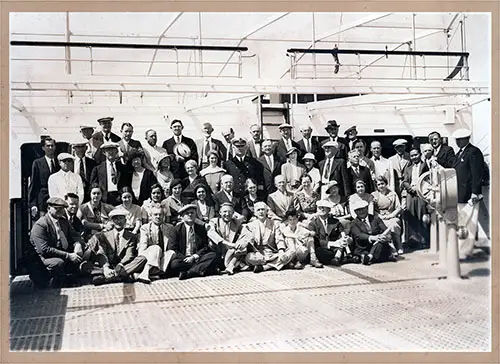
<point x="356" y="172"/>
<point x="255" y="144"/>
<point x="334" y="169"/>
<point x="73" y="202"/>
<point x="83" y="167"/>
<point x="445" y="156"/>
<point x="371" y="236"/>
<point x="111" y="175"/>
<point x="207" y="144"/>
<point x="57" y="244"/>
<point x="169" y="144"/>
<point x="228" y="135"/>
<point x="331" y="244"/>
<point x="469" y="165"/>
<point x="115" y="252"/>
<point x="271" y="165"/>
<point x="241" y="167"/>
<point x="104" y="136"/>
<point x="38" y="191"/>
<point x="127" y="145"/>
<point x="308" y="144"/>
<point x="332" y="128"/>
<point x="285" y="141"/>
<point x="226" y="195"/>
<point x="193" y="257"/>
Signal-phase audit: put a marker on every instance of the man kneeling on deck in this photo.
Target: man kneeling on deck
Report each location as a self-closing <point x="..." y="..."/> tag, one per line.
<point x="153" y="243"/>
<point x="230" y="244"/>
<point x="299" y="239"/>
<point x="267" y="246"/>
<point x="371" y="237"/>
<point x="331" y="244"/>
<point x="114" y="251"/>
<point x="192" y="255"/>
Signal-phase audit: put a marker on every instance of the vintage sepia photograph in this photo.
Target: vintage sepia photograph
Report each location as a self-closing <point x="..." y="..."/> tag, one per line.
<point x="250" y="182"/>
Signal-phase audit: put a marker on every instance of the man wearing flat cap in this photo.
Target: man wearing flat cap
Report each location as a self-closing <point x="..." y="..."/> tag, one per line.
<point x="65" y="181"/>
<point x="111" y="175"/>
<point x="371" y="237"/>
<point x="83" y="166"/>
<point x="57" y="244"/>
<point x="351" y="136"/>
<point x="111" y="256"/>
<point x="192" y="255"/>
<point x="469" y="165"/>
<point x="42" y="168"/>
<point x="285" y="143"/>
<point x="332" y="128"/>
<point x="208" y="144"/>
<point x="104" y="136"/>
<point x="177" y="127"/>
<point x="398" y="163"/>
<point x="242" y="167"/>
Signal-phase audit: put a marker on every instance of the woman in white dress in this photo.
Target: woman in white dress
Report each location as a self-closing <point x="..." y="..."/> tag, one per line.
<point x="309" y="160"/>
<point x="213" y="172"/>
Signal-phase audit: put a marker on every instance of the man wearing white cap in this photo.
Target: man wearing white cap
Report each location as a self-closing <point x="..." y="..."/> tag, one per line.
<point x="308" y="144"/>
<point x="469" y="165"/>
<point x="104" y="136"/>
<point x="286" y="142"/>
<point x="65" y="181"/>
<point x="399" y="162"/>
<point x="83" y="166"/>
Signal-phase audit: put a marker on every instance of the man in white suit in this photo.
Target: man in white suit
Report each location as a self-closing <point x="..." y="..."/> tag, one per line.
<point x="65" y="181"/>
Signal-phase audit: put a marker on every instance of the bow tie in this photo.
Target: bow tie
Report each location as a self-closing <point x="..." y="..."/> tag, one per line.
<point x="376" y="158"/>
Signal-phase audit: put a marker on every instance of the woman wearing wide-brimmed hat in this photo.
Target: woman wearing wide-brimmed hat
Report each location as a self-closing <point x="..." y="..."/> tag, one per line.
<point x="292" y="170"/>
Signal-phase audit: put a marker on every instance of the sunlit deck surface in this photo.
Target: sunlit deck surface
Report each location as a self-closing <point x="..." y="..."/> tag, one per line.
<point x="399" y="306"/>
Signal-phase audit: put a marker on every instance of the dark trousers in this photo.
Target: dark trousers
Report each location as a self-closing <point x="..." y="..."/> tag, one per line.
<point x="326" y="255"/>
<point x="112" y="198"/>
<point x="205" y="266"/>
<point x="380" y="252"/>
<point x="135" y="266"/>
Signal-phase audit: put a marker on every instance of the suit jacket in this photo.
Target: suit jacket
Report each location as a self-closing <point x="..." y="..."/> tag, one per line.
<point x="446" y="156"/>
<point x="269" y="238"/>
<point x="214" y="145"/>
<point x="221" y="197"/>
<point x="315" y="149"/>
<point x="407" y="182"/>
<point x="123" y="253"/>
<point x="75" y="223"/>
<point x="178" y="242"/>
<point x="148" y="238"/>
<point x="281" y="149"/>
<point x="89" y="166"/>
<point x="251" y="149"/>
<point x="269" y="174"/>
<point x="338" y="172"/>
<point x="148" y="180"/>
<point x="170" y="143"/>
<point x="100" y="176"/>
<point x="135" y="144"/>
<point x="38" y="191"/>
<point x="360" y="233"/>
<point x="470" y="169"/>
<point x="240" y="171"/>
<point x="218" y="233"/>
<point x="44" y="238"/>
<point x="86" y="215"/>
<point x="279" y="204"/>
<point x="343" y="148"/>
<point x="98" y="140"/>
<point x="396" y="171"/>
<point x="321" y="236"/>
<point x="364" y="174"/>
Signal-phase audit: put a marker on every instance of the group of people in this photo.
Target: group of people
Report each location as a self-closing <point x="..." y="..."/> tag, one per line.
<point x="116" y="209"/>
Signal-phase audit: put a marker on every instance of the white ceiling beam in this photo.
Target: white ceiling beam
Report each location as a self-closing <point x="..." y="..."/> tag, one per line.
<point x="268" y="22"/>
<point x="246" y="86"/>
<point x="212" y="100"/>
<point x="343" y="28"/>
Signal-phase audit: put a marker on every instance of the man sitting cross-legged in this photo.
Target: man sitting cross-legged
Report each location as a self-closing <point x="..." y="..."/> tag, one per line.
<point x="267" y="246"/>
<point x="114" y="252"/>
<point x="331" y="244"/>
<point x="371" y="237"/>
<point x="230" y="245"/>
<point x="192" y="255"/>
<point x="153" y="242"/>
<point x="300" y="240"/>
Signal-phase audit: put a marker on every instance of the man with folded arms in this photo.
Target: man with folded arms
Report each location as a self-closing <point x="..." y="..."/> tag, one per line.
<point x="192" y="255"/>
<point x="58" y="245"/>
<point x="114" y="252"/>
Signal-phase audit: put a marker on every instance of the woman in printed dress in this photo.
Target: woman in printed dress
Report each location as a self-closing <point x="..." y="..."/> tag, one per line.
<point x="135" y="213"/>
<point x="306" y="198"/>
<point x="360" y="194"/>
<point x="164" y="174"/>
<point x="94" y="214"/>
<point x="173" y="203"/>
<point x="292" y="170"/>
<point x="338" y="203"/>
<point x="250" y="199"/>
<point x="155" y="200"/>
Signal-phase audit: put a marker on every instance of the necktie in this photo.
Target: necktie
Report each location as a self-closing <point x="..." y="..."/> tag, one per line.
<point x="207" y="148"/>
<point x="326" y="174"/>
<point x="368" y="226"/>
<point x="191" y="240"/>
<point x="376" y="158"/>
<point x="113" y="173"/>
<point x="270" y="163"/>
<point x="161" y="243"/>
<point x="82" y="170"/>
<point x="106" y="136"/>
<point x="61" y="237"/>
<point x="308" y="145"/>
<point x="117" y="241"/>
<point x="52" y="166"/>
<point x="460" y="153"/>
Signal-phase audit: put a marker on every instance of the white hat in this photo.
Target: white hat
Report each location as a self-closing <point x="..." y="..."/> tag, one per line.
<point x="399" y="142"/>
<point x="118" y="212"/>
<point x="330" y="143"/>
<point x="260" y="204"/>
<point x="107" y="145"/>
<point x="284" y="126"/>
<point x="359" y="204"/>
<point x="309" y="156"/>
<point x="226" y="177"/>
<point x="461" y="133"/>
<point x="80" y="143"/>
<point x="323" y="203"/>
<point x="64" y="156"/>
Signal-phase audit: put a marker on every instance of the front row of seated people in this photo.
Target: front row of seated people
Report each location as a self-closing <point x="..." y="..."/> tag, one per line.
<point x="116" y="252"/>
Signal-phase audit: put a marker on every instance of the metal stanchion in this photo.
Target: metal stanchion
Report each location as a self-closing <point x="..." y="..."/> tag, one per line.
<point x="434" y="234"/>
<point x="443" y="237"/>
<point x="453" y="262"/>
